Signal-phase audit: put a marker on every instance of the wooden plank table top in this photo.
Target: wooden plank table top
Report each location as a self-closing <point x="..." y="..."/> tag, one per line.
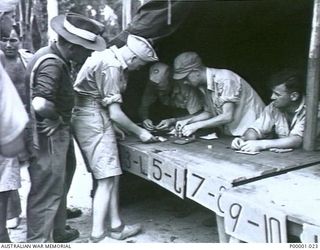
<point x="204" y="169"/>
<point x="292" y="200"/>
<point x="222" y="162"/>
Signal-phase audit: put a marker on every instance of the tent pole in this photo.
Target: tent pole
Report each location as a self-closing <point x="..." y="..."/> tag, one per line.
<point x="52" y="10"/>
<point x="313" y="77"/>
<point x="126" y="13"/>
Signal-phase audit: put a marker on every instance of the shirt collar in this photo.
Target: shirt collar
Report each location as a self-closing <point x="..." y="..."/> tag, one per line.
<point x="301" y="106"/>
<point x="118" y="55"/>
<point x="210" y="79"/>
<point x="56" y="50"/>
<point x="298" y="112"/>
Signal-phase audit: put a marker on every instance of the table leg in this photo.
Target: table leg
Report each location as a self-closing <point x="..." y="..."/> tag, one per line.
<point x="223" y="237"/>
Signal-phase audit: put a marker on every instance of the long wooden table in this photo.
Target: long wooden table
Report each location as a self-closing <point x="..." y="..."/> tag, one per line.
<point x="203" y="170"/>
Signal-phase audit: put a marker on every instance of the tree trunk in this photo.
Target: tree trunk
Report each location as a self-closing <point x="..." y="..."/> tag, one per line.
<point x="39" y="24"/>
<point x="52" y="9"/>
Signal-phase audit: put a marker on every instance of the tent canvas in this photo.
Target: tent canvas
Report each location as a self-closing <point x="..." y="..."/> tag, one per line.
<point x="253" y="38"/>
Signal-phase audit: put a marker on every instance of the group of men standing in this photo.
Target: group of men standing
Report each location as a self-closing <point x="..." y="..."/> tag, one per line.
<point x="89" y="109"/>
<point x="49" y="142"/>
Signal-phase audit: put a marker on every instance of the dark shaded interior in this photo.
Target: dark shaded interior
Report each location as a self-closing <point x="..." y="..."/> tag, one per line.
<point x="252" y="38"/>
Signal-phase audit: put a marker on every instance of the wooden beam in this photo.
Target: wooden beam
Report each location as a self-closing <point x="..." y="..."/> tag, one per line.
<point x="126" y="13"/>
<point x="52" y="9"/>
<point x="313" y="76"/>
<point x="223" y="237"/>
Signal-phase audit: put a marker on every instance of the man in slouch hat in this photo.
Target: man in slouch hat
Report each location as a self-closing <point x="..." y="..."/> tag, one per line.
<point x="52" y="100"/>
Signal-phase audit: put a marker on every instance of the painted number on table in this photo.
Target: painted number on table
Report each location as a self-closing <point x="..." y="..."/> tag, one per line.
<point x="251" y="224"/>
<point x="206" y="190"/>
<point x="167" y="174"/>
<point x="134" y="161"/>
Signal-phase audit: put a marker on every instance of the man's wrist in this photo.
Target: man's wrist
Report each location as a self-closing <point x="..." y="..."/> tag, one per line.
<point x="143" y="134"/>
<point x="197" y="125"/>
<point x="265" y="144"/>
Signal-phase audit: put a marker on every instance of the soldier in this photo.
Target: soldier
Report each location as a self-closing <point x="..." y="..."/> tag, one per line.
<point x="98" y="88"/>
<point x="176" y="100"/>
<point x="230" y="102"/>
<point x="52" y="103"/>
<point x="281" y="124"/>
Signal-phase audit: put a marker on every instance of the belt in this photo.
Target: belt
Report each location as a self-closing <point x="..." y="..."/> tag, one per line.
<point x="85" y="101"/>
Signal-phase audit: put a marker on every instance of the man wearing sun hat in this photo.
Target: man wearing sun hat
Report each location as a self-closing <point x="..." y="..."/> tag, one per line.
<point x="98" y="88"/>
<point x="172" y="98"/>
<point x="11" y="130"/>
<point x="230" y="102"/>
<point x="52" y="100"/>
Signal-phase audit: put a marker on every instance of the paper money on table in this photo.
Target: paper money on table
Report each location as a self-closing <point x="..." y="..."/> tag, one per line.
<point x="161" y="138"/>
<point x="281" y="150"/>
<point x="247" y="152"/>
<point x="172" y="132"/>
<point x="209" y="136"/>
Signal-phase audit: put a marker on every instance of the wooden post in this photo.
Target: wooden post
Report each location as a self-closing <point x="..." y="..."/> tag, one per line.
<point x="313" y="77"/>
<point x="21" y="20"/>
<point x="223" y="237"/>
<point x="52" y="9"/>
<point x="126" y="13"/>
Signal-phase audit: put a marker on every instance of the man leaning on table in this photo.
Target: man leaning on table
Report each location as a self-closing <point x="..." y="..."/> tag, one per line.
<point x="99" y="87"/>
<point x="281" y="124"/>
<point x="230" y="102"/>
<point x="164" y="98"/>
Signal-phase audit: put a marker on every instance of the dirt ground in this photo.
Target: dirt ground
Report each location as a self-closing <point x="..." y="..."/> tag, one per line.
<point x="165" y="217"/>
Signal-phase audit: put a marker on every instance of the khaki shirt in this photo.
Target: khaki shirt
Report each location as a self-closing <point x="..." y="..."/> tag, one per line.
<point x="181" y="96"/>
<point x="272" y="119"/>
<point x="225" y="86"/>
<point x="102" y="77"/>
<point x="186" y="97"/>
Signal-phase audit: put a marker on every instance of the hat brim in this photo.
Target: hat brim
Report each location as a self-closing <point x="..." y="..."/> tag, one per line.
<point x="57" y="25"/>
<point x="179" y="76"/>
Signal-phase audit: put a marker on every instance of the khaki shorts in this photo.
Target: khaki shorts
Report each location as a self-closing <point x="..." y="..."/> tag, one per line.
<point x="94" y="133"/>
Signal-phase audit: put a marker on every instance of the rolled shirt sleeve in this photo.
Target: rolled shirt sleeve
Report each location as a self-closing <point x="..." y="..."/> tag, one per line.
<point x="108" y="82"/>
<point x="264" y="124"/>
<point x="45" y="84"/>
<point x="229" y="91"/>
<point x="271" y="118"/>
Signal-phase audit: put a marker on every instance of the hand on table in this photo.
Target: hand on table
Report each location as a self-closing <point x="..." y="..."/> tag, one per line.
<point x="146" y="136"/>
<point x="181" y="124"/>
<point x="237" y="143"/>
<point x="164" y="124"/>
<point x="148" y="124"/>
<point x="252" y="146"/>
<point x="188" y="130"/>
